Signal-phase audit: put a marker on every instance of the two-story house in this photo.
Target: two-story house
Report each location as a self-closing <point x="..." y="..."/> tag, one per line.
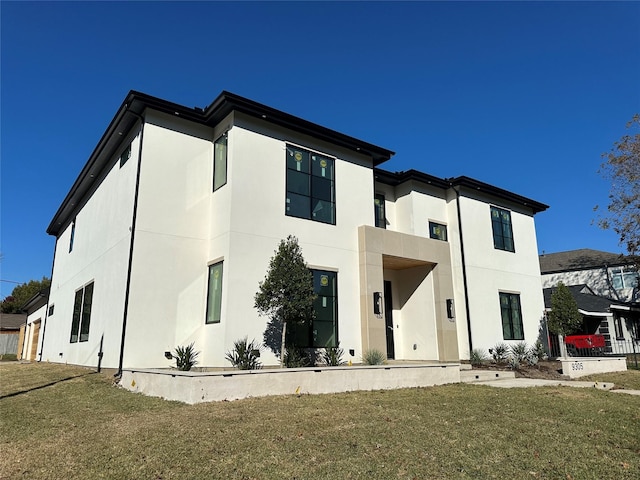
<point x="170" y="226"/>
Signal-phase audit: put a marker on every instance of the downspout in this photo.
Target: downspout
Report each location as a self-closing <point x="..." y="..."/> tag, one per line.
<point x="464" y="271"/>
<point x="133" y="234"/>
<point x="46" y="312"/>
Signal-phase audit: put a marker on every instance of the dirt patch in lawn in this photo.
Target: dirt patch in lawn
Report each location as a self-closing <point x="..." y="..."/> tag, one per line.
<point x="547" y="370"/>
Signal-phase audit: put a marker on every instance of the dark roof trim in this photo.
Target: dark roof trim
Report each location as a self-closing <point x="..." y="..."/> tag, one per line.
<point x="41" y="297"/>
<point x="397" y="178"/>
<point x="133" y="108"/>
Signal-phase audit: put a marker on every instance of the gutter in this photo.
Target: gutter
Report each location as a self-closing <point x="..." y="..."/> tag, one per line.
<point x="133" y="234"/>
<point x="464" y="271"/>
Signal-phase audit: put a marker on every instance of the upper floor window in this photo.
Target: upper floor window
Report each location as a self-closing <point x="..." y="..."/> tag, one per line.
<point x="310" y="186"/>
<point x="220" y="162"/>
<point x="438" y="231"/>
<point x="378" y="206"/>
<point x="73" y="234"/>
<point x="82" y="314"/>
<point x="511" y="316"/>
<point x="502" y="231"/>
<point x="624" y="277"/>
<point x="126" y="155"/>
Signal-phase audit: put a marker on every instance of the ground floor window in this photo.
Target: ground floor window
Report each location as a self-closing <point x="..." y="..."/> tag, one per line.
<point x="82" y="314"/>
<point x="511" y="316"/>
<point x="214" y="295"/>
<point x="323" y="332"/>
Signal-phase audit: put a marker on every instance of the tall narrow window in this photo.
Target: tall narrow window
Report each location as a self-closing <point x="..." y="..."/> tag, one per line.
<point x="220" y="162"/>
<point x="502" y="231"/>
<point x="310" y="186"/>
<point x="82" y="314"/>
<point x="378" y="208"/>
<point x="73" y="234"/>
<point x="214" y="296"/>
<point x="511" y="316"/>
<point x="323" y="332"/>
<point x="126" y="155"/>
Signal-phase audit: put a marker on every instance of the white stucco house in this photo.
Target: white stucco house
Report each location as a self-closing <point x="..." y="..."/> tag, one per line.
<point x="167" y="231"/>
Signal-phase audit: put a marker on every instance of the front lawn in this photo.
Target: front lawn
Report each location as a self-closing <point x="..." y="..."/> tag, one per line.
<point x="67" y="422"/>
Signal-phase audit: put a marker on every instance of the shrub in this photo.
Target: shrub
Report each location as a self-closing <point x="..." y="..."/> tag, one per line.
<point x="478" y="356"/>
<point x="538" y="351"/>
<point x="332" y="356"/>
<point x="513" y="362"/>
<point x="519" y="351"/>
<point x="296" y="357"/>
<point x="499" y="352"/>
<point x="185" y="357"/>
<point x="245" y="355"/>
<point x="373" y="357"/>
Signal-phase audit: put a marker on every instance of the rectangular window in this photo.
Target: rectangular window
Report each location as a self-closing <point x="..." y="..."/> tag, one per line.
<point x="220" y="162"/>
<point x="51" y="309"/>
<point x="73" y="234"/>
<point x="310" y="186"/>
<point x="126" y="155"/>
<point x="511" y="316"/>
<point x="438" y="231"/>
<point x="323" y="332"/>
<point x="82" y="314"/>
<point x="617" y="323"/>
<point x="378" y="206"/>
<point x="502" y="231"/>
<point x="214" y="295"/>
<point x="624" y="278"/>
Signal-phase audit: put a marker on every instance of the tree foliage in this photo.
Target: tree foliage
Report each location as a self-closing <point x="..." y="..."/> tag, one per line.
<point x="286" y="294"/>
<point x="22" y="293"/>
<point x="622" y="167"/>
<point x="564" y="318"/>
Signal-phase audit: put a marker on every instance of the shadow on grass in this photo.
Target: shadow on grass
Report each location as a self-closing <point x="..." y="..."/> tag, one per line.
<point x="39" y="387"/>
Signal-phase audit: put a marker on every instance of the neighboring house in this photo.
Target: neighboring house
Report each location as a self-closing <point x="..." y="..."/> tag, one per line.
<point x="10" y="324"/>
<point x="165" y="235"/>
<point x="35" y="308"/>
<point x="607" y="274"/>
<point x="617" y="322"/>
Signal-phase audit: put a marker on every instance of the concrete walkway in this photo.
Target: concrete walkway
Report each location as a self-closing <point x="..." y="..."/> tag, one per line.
<point x="535" y="382"/>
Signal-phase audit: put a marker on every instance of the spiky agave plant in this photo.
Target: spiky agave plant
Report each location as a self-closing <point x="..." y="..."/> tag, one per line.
<point x="185" y="357"/>
<point x="245" y="355"/>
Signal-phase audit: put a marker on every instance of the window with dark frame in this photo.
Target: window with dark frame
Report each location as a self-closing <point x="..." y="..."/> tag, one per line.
<point x="82" y="314"/>
<point x="617" y="323"/>
<point x="126" y="155"/>
<point x="310" y="186"/>
<point x="511" y="313"/>
<point x="438" y="231"/>
<point x="379" y="209"/>
<point x="323" y="331"/>
<point x="220" y="162"/>
<point x="502" y="230"/>
<point x="73" y="234"/>
<point x="214" y="293"/>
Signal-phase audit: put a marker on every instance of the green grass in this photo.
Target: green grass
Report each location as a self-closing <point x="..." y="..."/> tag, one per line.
<point x="8" y="357"/>
<point x="629" y="380"/>
<point x="66" y="422"/>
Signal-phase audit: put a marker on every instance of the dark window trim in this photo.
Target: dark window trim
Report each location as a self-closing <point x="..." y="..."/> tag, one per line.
<point x="125" y="155"/>
<point x="310" y="174"/>
<point x="499" y="239"/>
<point x="435" y="237"/>
<point x="511" y="309"/>
<point x="208" y="306"/>
<point x="380" y="220"/>
<point x="225" y="135"/>
<point x="78" y="322"/>
<point x="73" y="234"/>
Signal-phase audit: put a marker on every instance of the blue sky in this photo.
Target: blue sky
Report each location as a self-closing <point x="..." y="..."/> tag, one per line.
<point x="524" y="96"/>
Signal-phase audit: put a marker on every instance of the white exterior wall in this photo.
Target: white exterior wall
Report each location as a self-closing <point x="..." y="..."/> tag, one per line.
<point x="100" y="255"/>
<point x="168" y="273"/>
<point x="598" y="279"/>
<point x="490" y="271"/>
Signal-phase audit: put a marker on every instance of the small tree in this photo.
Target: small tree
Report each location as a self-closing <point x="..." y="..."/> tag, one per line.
<point x="286" y="294"/>
<point x="564" y="318"/>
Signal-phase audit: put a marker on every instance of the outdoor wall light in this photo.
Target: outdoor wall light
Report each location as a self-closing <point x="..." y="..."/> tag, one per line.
<point x="352" y="352"/>
<point x="168" y="355"/>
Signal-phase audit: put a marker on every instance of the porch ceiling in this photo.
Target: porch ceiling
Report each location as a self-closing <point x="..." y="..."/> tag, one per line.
<point x="401" y="263"/>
